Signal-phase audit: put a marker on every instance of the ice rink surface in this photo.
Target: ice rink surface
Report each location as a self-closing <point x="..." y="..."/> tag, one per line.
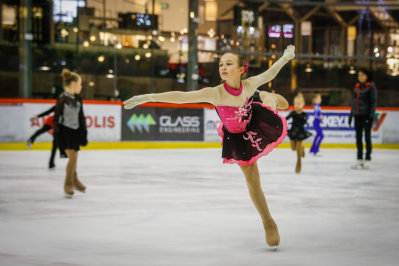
<point x="184" y="207"/>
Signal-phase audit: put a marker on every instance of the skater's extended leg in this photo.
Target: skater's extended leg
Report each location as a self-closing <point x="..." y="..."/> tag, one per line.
<point x="258" y="198"/>
<point x="53" y="150"/>
<point x="38" y="132"/>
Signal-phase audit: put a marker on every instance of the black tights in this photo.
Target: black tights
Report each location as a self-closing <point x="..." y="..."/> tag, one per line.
<point x="42" y="130"/>
<point x="363" y="123"/>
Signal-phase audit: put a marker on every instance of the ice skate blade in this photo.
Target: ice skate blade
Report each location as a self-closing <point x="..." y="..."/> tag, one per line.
<point x="274" y="248"/>
<point x="68" y="196"/>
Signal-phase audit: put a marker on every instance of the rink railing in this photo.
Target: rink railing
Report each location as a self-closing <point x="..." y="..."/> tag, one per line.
<point x="162" y="125"/>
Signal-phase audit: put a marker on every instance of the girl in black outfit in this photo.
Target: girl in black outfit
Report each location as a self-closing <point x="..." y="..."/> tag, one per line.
<point x="70" y="128"/>
<point x="47" y="127"/>
<point x="297" y="132"/>
<point x="363" y="109"/>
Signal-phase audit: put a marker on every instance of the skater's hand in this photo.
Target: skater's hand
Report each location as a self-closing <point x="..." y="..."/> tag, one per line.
<point x="135" y="101"/>
<point x="289" y="52"/>
<point x="34" y="118"/>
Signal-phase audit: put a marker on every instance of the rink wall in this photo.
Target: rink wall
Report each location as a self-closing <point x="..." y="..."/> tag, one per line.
<point x="163" y="125"/>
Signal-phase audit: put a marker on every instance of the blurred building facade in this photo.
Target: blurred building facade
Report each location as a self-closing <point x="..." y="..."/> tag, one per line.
<point x="127" y="47"/>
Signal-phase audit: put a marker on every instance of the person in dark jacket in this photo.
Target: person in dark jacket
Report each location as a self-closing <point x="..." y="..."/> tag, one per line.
<point x="363" y="110"/>
<point x="70" y="128"/>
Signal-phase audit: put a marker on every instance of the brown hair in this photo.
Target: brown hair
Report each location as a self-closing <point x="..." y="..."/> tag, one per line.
<point x="314" y="96"/>
<point x="69" y="76"/>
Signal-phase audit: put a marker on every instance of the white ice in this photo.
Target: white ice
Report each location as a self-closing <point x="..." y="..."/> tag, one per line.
<point x="184" y="207"/>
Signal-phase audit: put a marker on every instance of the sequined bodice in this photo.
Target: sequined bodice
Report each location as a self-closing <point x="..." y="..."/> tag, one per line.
<point x="235" y="119"/>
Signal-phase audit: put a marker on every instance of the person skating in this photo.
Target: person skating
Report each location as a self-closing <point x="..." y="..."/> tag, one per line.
<point x="251" y="126"/>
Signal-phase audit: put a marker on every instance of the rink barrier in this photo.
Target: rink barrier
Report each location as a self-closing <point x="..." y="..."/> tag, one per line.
<point x="111" y="126"/>
<point x="21" y="146"/>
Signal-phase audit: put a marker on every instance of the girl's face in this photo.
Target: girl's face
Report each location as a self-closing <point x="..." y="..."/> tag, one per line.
<point x="229" y="68"/>
<point x="298" y="104"/>
<point x="362" y="77"/>
<point x="317" y="99"/>
<point x="77" y="86"/>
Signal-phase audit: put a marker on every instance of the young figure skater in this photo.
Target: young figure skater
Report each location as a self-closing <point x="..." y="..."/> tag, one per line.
<point x="47" y="127"/>
<point x="318" y="118"/>
<point x="297" y="132"/>
<point x="250" y="127"/>
<point x="363" y="109"/>
<point x="70" y="128"/>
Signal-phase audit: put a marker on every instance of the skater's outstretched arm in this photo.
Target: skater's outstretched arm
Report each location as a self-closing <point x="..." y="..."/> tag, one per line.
<point x="49" y="111"/>
<point x="205" y="95"/>
<point x="272" y="72"/>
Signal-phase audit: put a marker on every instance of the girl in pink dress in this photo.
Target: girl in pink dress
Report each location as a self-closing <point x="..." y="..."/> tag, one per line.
<point x="251" y="126"/>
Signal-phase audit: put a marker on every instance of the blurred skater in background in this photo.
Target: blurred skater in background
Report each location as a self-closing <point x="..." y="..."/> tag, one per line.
<point x="363" y="110"/>
<point x="47" y="127"/>
<point x="70" y="128"/>
<point x="297" y="132"/>
<point x="318" y="118"/>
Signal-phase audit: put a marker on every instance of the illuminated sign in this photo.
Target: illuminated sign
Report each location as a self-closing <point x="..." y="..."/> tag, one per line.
<point x="287" y="30"/>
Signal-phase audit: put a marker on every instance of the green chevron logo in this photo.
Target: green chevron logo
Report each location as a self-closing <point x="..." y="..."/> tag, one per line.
<point x="140" y="123"/>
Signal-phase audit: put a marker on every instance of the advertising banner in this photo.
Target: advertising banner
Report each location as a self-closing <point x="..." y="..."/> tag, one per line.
<point x="11" y="121"/>
<point x="102" y="121"/>
<point x="335" y="126"/>
<point x="211" y="125"/>
<point x="148" y="123"/>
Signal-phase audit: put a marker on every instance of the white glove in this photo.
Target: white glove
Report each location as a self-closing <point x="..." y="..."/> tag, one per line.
<point x="34" y="118"/>
<point x="289" y="52"/>
<point x="136" y="100"/>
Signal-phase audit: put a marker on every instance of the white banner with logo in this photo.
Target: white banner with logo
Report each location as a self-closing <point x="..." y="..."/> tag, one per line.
<point x="211" y="125"/>
<point x="335" y="126"/>
<point x="12" y="123"/>
<point x="103" y="122"/>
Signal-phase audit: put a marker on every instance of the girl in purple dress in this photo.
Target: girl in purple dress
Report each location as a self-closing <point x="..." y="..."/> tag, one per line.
<point x="251" y="126"/>
<point x="318" y="118"/>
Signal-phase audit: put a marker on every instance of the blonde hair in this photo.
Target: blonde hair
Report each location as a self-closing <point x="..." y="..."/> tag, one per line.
<point x="69" y="76"/>
<point x="300" y="97"/>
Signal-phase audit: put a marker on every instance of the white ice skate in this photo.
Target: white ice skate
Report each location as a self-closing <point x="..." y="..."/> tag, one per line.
<point x="28" y="144"/>
<point x="357" y="165"/>
<point x="366" y="164"/>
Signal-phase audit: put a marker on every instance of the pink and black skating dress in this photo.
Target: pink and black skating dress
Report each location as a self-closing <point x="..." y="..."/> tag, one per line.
<point x="249" y="132"/>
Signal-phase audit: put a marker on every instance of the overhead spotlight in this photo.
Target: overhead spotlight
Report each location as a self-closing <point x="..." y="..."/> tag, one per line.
<point x="308" y="68"/>
<point x="352" y="70"/>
